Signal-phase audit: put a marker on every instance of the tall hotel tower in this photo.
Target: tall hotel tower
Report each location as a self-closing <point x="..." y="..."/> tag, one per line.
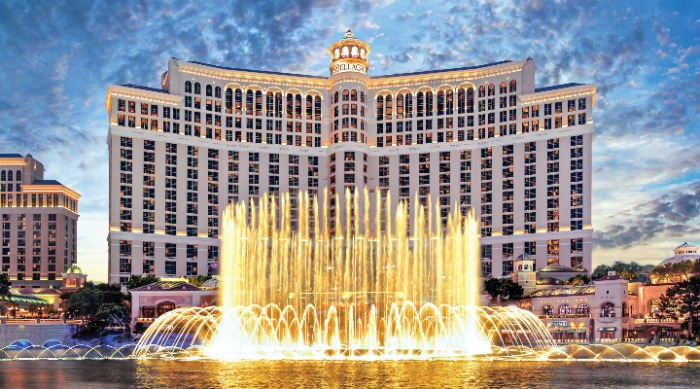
<point x="480" y="136"/>
<point x="39" y="221"/>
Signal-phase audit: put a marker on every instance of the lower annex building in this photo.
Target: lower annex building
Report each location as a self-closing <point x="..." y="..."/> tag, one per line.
<point x="480" y="136"/>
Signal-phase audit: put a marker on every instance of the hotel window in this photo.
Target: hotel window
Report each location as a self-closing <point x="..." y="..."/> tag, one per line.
<point x="170" y="268"/>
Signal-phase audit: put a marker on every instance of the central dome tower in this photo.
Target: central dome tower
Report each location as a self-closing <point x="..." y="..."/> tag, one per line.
<point x="349" y="55"/>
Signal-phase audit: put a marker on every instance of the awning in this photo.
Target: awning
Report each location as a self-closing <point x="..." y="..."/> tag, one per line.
<point x="607" y="329"/>
<point x="581" y="330"/>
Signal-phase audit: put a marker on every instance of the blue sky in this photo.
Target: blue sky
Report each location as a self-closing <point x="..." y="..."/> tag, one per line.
<point x="57" y="58"/>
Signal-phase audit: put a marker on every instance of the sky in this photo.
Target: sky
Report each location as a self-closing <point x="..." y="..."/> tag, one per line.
<point x="57" y="59"/>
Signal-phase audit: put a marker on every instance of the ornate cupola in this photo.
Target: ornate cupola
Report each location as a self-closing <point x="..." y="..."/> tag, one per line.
<point x="349" y="55"/>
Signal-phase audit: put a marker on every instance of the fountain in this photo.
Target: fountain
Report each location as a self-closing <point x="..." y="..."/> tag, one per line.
<point x="362" y="289"/>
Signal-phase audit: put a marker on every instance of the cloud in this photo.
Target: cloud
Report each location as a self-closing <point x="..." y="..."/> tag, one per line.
<point x="58" y="59"/>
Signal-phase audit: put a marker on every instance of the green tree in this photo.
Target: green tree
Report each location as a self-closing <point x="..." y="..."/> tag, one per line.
<point x="493" y="288"/>
<point x="138" y="280"/>
<point x="682" y="301"/>
<point x="511" y="290"/>
<point x="198" y="280"/>
<point x="86" y="301"/>
<point x="5" y="285"/>
<point x="503" y="289"/>
<point x="5" y="293"/>
<point x="112" y="314"/>
<point x="580" y="279"/>
<point x="600" y="271"/>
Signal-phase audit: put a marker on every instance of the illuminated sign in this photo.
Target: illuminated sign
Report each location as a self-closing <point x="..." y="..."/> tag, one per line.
<point x="558" y="323"/>
<point x="348" y="67"/>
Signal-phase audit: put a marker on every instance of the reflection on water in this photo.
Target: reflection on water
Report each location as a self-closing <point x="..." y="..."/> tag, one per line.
<point x="267" y="374"/>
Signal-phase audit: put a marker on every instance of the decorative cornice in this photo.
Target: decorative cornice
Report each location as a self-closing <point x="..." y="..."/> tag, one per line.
<point x="560" y="94"/>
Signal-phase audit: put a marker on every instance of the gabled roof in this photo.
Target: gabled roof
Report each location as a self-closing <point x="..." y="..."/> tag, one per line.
<point x="167" y="285"/>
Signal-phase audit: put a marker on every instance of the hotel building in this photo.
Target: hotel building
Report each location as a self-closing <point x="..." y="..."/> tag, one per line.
<point x="39" y="224"/>
<point x="480" y="136"/>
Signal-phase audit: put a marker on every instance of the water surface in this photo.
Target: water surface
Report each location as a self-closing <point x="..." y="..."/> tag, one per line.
<point x="344" y="374"/>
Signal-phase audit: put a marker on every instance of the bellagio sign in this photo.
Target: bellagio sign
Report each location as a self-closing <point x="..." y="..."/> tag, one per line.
<point x="348" y="67"/>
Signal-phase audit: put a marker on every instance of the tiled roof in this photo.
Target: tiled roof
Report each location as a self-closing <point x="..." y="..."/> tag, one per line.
<point x="255" y="71"/>
<point x="146" y="88"/>
<point x="46" y="182"/>
<point x="555" y="87"/>
<point x="560" y="269"/>
<point x="167" y="285"/>
<point x="613" y="277"/>
<point x="445" y="70"/>
<point x="566" y="291"/>
<point x="686" y="245"/>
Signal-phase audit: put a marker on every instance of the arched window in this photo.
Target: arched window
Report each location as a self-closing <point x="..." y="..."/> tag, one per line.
<point x="249" y="102"/>
<point x="492" y="90"/>
<point x="297" y="106"/>
<point x="565" y="309"/>
<point x="344" y="52"/>
<point x="238" y="102"/>
<point x="217" y="92"/>
<point x="388" y="107"/>
<point x="317" y="108"/>
<point x="209" y="90"/>
<point x="470" y="100"/>
<point x="380" y="107"/>
<point x="624" y="309"/>
<point x="354" y="52"/>
<point x="583" y="309"/>
<point x="449" y="102"/>
<point x="420" y="104"/>
<point x="9" y="175"/>
<point x="278" y="104"/>
<point x="270" y="104"/>
<point x="346" y="95"/>
<point x="461" y="101"/>
<point x="428" y="103"/>
<point x="188" y="87"/>
<point x="18" y="176"/>
<point x="409" y="105"/>
<point x="607" y="310"/>
<point x="258" y="103"/>
<point x="290" y="105"/>
<point x="504" y="88"/>
<point x="3" y="176"/>
<point x="197" y="88"/>
<point x="440" y="103"/>
<point x="353" y="95"/>
<point x="547" y="310"/>
<point x="482" y="91"/>
<point x="513" y="86"/>
<point x="229" y="100"/>
<point x="335" y="98"/>
<point x="399" y="106"/>
<point x="309" y="106"/>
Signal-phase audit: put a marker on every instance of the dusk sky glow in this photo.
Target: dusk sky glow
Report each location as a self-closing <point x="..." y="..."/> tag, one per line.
<point x="58" y="58"/>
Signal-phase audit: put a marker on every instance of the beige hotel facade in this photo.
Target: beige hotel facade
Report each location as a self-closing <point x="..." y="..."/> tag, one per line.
<point x="38" y="224"/>
<point x="483" y="137"/>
